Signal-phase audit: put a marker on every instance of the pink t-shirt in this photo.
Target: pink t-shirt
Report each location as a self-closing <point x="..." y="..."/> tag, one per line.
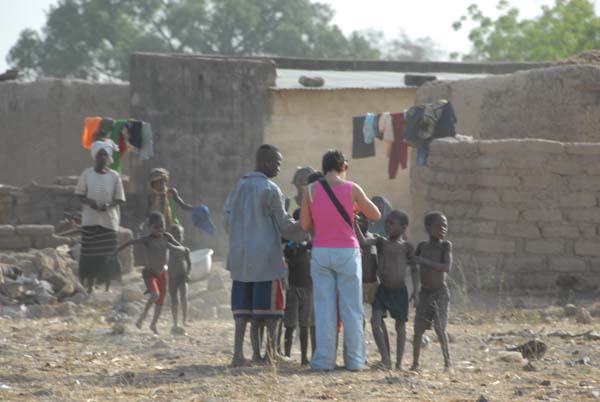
<point x="331" y="230"/>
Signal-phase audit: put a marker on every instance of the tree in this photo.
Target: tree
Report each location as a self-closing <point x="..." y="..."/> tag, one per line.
<point x="566" y="28"/>
<point x="92" y="39"/>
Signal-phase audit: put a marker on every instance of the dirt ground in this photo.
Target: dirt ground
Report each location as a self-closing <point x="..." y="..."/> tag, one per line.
<point x="78" y="359"/>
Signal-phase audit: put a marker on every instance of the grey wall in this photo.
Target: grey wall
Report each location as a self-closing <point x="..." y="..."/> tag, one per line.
<point x="41" y="124"/>
<point x="558" y="103"/>
<point x="208" y="116"/>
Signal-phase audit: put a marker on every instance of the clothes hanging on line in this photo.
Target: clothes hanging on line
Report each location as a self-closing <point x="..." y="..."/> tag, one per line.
<point x="359" y="148"/>
<point x="399" y="151"/>
<point x="387" y="130"/>
<point x="370" y="127"/>
<point x="91" y="126"/>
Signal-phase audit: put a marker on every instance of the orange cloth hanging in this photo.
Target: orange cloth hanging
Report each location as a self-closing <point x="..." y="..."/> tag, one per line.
<point x="92" y="124"/>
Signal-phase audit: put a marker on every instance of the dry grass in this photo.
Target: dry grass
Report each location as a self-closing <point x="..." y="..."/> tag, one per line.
<point x="79" y="360"/>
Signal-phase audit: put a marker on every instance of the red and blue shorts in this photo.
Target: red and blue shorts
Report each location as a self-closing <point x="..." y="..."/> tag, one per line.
<point x="257" y="299"/>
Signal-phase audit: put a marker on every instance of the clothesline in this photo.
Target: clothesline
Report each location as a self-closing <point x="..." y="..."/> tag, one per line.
<point x="128" y="134"/>
<point x="388" y="127"/>
<point x="416" y="126"/>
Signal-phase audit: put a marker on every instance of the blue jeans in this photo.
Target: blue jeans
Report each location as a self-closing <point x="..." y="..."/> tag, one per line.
<point x="338" y="269"/>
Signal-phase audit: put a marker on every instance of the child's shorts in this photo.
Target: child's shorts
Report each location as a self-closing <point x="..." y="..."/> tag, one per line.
<point x="156" y="283"/>
<point x="394" y="300"/>
<point x="257" y="299"/>
<point x="299" y="307"/>
<point x="369" y="290"/>
<point x="434" y="306"/>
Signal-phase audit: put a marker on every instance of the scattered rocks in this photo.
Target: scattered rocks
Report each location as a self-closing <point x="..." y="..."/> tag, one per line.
<point x="40" y="311"/>
<point x="66" y="309"/>
<point x="483" y="398"/>
<point x="584" y="361"/>
<point x="118" y="329"/>
<point x="583" y="316"/>
<point x="570" y="310"/>
<point x="592" y="336"/>
<point x="546" y="383"/>
<point x="510" y="357"/>
<point x="532" y="350"/>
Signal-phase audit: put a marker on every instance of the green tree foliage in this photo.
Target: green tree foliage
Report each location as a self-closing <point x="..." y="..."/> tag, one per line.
<point x="566" y="28"/>
<point x="92" y="39"/>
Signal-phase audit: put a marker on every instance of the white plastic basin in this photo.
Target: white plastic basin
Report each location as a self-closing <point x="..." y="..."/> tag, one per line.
<point x="201" y="263"/>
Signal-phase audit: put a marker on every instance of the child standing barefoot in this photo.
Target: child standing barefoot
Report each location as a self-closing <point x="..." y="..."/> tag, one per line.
<point x="179" y="276"/>
<point x="157" y="245"/>
<point x="395" y="258"/>
<point x="434" y="258"/>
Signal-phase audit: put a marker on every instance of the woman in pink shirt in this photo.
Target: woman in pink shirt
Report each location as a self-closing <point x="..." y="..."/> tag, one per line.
<point x="336" y="262"/>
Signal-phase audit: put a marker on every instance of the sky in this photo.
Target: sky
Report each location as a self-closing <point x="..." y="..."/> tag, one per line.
<point x="418" y="19"/>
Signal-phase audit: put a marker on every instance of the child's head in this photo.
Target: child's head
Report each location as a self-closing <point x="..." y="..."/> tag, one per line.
<point x="177" y="232"/>
<point x="363" y="222"/>
<point x="159" y="178"/>
<point x="300" y="179"/>
<point x="314" y="177"/>
<point x="436" y="225"/>
<point x="396" y="224"/>
<point x="156" y="221"/>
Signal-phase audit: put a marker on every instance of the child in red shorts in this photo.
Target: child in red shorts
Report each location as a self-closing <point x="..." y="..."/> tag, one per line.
<point x="156" y="245"/>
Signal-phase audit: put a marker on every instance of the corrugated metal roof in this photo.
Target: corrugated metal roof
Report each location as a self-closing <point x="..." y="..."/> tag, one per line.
<point x="288" y="79"/>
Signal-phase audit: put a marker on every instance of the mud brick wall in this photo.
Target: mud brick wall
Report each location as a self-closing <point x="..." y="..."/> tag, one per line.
<point x="43" y="204"/>
<point x="41" y="125"/>
<point x="521" y="212"/>
<point x="557" y="103"/>
<point x="208" y="116"/>
<point x="24" y="237"/>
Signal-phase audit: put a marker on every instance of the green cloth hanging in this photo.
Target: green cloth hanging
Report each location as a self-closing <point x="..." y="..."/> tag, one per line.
<point x="116" y="137"/>
<point x="173" y="215"/>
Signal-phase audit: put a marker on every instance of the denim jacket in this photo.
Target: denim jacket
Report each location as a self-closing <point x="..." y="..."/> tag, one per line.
<point x="255" y="220"/>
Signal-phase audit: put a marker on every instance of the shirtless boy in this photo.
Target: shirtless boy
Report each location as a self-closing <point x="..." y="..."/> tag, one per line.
<point x="395" y="257"/>
<point x="157" y="245"/>
<point x="180" y="267"/>
<point x="434" y="258"/>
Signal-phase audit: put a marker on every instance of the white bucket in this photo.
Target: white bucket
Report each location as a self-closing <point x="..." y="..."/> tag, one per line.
<point x="201" y="263"/>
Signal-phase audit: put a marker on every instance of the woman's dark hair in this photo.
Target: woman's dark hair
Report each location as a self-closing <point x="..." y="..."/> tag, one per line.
<point x="333" y="160"/>
<point x="314" y="177"/>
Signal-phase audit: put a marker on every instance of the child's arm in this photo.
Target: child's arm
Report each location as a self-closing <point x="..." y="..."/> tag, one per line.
<point x="130" y="243"/>
<point x="188" y="260"/>
<point x="173" y="244"/>
<point x="362" y="240"/>
<point x="414" y="271"/>
<point x="175" y="194"/>
<point x="443" y="266"/>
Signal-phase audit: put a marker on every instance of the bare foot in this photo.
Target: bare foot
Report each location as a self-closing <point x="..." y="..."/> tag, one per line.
<point x="305" y="362"/>
<point x="241" y="362"/>
<point x="382" y="366"/>
<point x="138" y="324"/>
<point x="153" y="328"/>
<point x="447" y="368"/>
<point x="415" y="367"/>
<point x="399" y="367"/>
